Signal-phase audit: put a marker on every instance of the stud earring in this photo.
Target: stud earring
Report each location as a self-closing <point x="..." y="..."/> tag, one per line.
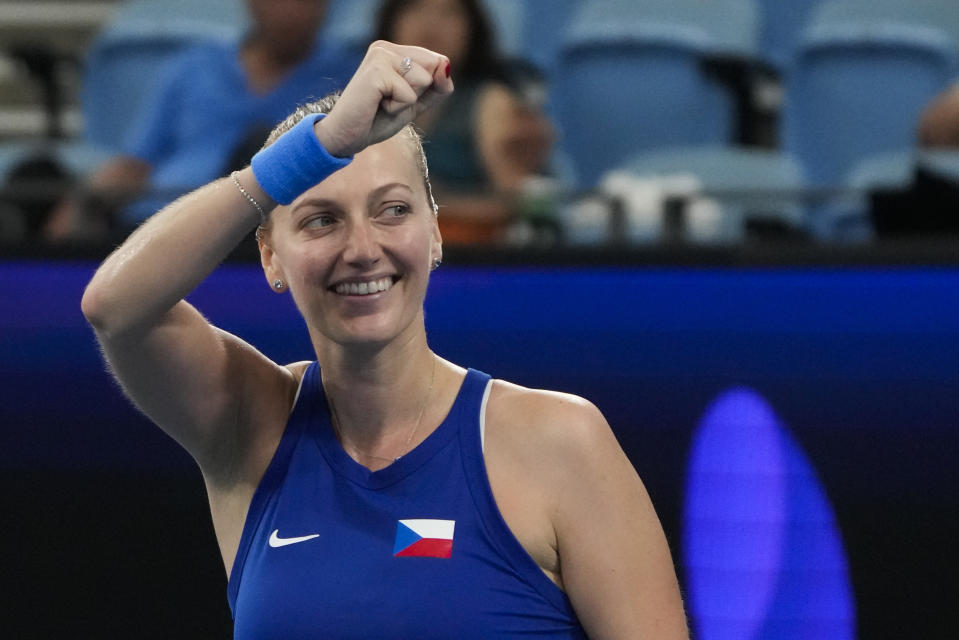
<point x="436" y="263"/>
<point x="278" y="284"/>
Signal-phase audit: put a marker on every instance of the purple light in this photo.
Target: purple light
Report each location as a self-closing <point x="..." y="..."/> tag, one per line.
<point x="762" y="553"/>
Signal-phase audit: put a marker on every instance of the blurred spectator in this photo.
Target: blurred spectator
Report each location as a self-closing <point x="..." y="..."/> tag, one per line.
<point x="211" y="112"/>
<point x="939" y="123"/>
<point x="927" y="205"/>
<point x="492" y="135"/>
<point x="32" y="188"/>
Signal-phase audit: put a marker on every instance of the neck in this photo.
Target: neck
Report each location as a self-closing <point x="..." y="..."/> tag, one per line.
<point x="380" y="397"/>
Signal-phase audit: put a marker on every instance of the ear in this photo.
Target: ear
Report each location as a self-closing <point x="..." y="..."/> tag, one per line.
<point x="272" y="268"/>
<point x="436" y="243"/>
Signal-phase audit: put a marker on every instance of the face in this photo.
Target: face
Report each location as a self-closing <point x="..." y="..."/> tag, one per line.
<point x="356" y="249"/>
<point x="288" y="25"/>
<point x="438" y="25"/>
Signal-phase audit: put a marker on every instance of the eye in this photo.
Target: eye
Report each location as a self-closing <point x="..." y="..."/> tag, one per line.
<point x="396" y="210"/>
<point x="318" y="221"/>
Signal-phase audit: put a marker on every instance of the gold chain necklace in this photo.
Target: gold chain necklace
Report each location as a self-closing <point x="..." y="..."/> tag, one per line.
<point x="336" y="421"/>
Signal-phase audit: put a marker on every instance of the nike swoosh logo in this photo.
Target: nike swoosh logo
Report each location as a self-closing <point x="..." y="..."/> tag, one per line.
<point x="277" y="541"/>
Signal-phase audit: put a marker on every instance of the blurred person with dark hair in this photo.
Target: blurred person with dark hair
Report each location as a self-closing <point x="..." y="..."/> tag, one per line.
<point x="492" y="135"/>
<point x="214" y="106"/>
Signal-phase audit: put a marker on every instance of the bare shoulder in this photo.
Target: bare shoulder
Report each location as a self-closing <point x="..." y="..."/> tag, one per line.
<point x="546" y="418"/>
<point x="297" y="370"/>
<point x="551" y="436"/>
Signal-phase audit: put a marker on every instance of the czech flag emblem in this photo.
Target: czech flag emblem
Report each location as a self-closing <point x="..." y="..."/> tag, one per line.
<point x="424" y="538"/>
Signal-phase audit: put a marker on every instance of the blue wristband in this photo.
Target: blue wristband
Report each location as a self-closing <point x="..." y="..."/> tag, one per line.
<point x="295" y="162"/>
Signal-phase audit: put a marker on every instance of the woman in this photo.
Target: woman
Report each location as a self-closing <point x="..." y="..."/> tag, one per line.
<point x="382" y="491"/>
<point x="492" y="135"/>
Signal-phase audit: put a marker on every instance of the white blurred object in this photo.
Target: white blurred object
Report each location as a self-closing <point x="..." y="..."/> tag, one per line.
<point x="708" y="223"/>
<point x="585" y="221"/>
<point x="648" y="210"/>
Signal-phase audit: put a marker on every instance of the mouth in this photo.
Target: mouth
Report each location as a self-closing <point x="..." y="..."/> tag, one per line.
<point x="369" y="287"/>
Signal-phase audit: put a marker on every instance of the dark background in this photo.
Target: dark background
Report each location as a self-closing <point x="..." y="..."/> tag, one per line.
<point x="106" y="531"/>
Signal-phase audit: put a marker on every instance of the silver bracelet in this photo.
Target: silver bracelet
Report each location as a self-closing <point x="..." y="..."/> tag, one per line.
<point x="246" y="194"/>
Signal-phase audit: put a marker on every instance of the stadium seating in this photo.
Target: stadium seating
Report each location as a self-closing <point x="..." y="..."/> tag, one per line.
<point x="857" y="89"/>
<point x="782" y="21"/>
<point x="349" y="25"/>
<point x="632" y="78"/>
<point x="128" y="57"/>
<point x="941" y="14"/>
<point x="544" y="21"/>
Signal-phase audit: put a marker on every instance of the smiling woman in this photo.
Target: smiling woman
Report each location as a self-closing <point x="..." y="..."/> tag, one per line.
<point x="379" y="486"/>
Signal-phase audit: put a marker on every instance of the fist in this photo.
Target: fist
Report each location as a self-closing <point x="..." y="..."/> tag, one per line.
<point x="391" y="87"/>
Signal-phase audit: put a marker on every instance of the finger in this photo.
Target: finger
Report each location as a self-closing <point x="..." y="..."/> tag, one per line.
<point x="431" y="98"/>
<point x="442" y="76"/>
<point x="400" y="96"/>
<point x="419" y="79"/>
<point x="436" y="64"/>
<point x="408" y="81"/>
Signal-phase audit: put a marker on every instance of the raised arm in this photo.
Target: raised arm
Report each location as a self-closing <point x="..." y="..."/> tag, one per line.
<point x="204" y="387"/>
<point x="186" y="375"/>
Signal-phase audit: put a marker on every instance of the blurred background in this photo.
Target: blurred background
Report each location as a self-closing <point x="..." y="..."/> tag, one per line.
<point x="731" y="224"/>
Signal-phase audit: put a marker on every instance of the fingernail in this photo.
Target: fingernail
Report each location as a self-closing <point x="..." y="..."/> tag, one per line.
<point x="447" y="69"/>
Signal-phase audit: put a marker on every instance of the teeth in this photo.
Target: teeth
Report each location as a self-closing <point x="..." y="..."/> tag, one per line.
<point x="364" y="288"/>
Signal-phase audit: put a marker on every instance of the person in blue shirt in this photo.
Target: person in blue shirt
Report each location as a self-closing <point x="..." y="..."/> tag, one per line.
<point x="214" y="103"/>
<point x="379" y="491"/>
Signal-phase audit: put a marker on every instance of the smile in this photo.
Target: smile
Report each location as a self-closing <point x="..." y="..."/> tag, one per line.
<point x="364" y="288"/>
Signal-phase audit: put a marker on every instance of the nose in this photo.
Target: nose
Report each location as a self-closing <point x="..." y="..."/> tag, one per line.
<point x="361" y="248"/>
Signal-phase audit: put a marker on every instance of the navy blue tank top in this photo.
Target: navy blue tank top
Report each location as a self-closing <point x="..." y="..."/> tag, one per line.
<point x="419" y="549"/>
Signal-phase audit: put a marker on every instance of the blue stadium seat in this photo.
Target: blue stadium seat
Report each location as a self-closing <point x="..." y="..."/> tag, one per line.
<point x="127" y="58"/>
<point x="731" y="26"/>
<point x="857" y="89"/>
<point x="543" y="23"/>
<point x="349" y="25"/>
<point x="632" y="78"/>
<point x="941" y="14"/>
<point x="782" y="21"/>
<point x="507" y="19"/>
<point x="888" y="170"/>
<point x="751" y="185"/>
